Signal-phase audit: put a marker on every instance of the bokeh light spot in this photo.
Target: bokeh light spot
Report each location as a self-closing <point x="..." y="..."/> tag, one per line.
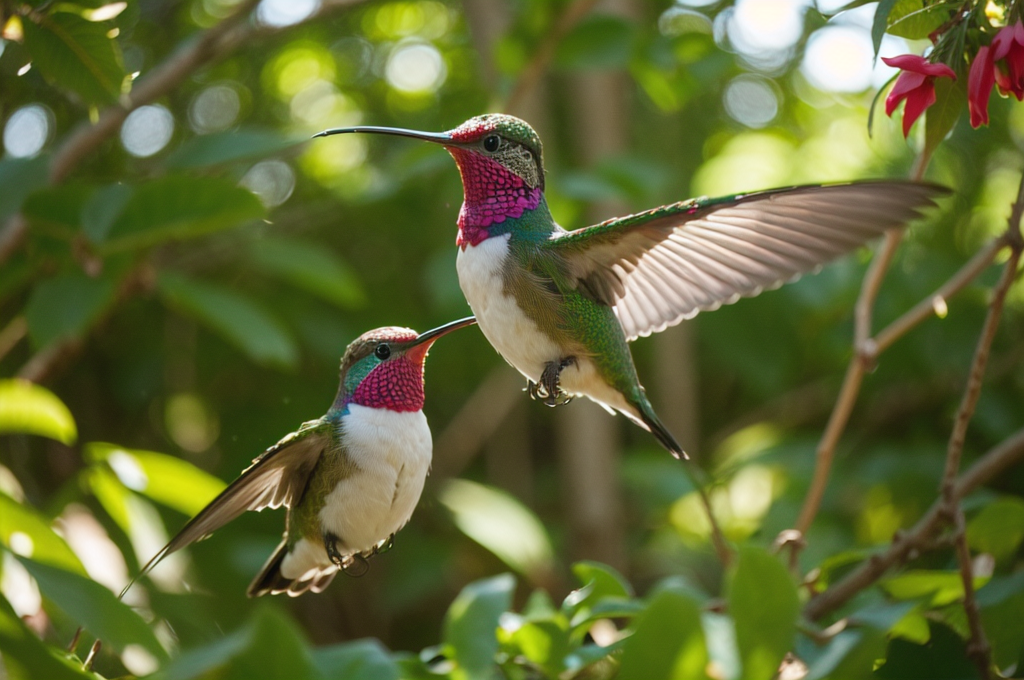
<point x="838" y="59"/>
<point x="273" y="181"/>
<point x="214" y="109"/>
<point x="27" y="130"/>
<point x="147" y="130"/>
<point x="415" y="67"/>
<point x="189" y="423"/>
<point x="279" y="13"/>
<point x="751" y="100"/>
<point x="321" y="105"/>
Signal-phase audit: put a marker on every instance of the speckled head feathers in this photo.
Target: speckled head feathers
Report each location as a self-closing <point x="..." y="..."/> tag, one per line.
<point x="518" y="147"/>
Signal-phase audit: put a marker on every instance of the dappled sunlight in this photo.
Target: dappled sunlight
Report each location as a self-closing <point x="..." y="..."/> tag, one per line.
<point x="747" y="162"/>
<point x="190" y="423"/>
<point x="88" y="539"/>
<point x="395" y="20"/>
<point x="297" y="67"/>
<point x="215" y="108"/>
<point x="147" y="130"/>
<point x="27" y="130"/>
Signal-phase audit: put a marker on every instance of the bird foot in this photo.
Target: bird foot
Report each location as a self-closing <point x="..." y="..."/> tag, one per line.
<point x="333" y="553"/>
<point x="548" y="390"/>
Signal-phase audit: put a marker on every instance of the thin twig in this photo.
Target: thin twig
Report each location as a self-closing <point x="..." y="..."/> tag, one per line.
<point x="927" y="307"/>
<point x="978" y="648"/>
<point x="12" y="334"/>
<point x="991" y="465"/>
<point x="545" y="52"/>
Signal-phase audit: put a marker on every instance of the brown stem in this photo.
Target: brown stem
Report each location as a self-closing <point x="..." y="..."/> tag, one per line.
<point x="12" y="334"/>
<point x="927" y="307"/>
<point x="545" y="52"/>
<point x="989" y="466"/>
<point x="978" y="648"/>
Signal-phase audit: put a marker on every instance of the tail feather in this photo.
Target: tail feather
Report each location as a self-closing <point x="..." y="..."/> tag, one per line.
<point x="270" y="580"/>
<point x="653" y="424"/>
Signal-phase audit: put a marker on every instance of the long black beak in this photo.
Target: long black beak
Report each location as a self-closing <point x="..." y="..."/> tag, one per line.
<point x="430" y="336"/>
<point x="436" y="137"/>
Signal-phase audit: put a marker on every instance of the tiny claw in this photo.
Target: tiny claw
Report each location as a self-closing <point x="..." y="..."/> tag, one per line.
<point x="333" y="554"/>
<point x="357" y="566"/>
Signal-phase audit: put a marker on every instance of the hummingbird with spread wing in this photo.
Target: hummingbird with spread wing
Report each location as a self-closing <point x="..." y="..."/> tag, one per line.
<point x="561" y="306"/>
<point x="350" y="479"/>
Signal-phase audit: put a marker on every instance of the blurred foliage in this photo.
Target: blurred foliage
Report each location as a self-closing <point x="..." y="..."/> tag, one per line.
<point x="201" y="272"/>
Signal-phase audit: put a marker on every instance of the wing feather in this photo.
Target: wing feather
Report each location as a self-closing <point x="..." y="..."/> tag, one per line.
<point x="661" y="266"/>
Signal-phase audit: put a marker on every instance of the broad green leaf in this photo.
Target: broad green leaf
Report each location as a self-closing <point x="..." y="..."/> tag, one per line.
<point x="999" y="528"/>
<point x="600" y="584"/>
<point x="171" y="481"/>
<point x="470" y="625"/>
<point x="942" y="587"/>
<point x="764" y="604"/>
<point x="915" y="19"/>
<point x="545" y="643"/>
<point x="57" y="210"/>
<point x="178" y="207"/>
<point x="850" y="655"/>
<point x="950" y="101"/>
<point x="195" y="663"/>
<point x="76" y="54"/>
<point x="19" y="177"/>
<point x="66" y="306"/>
<point x="357" y="660"/>
<point x="112" y="494"/>
<point x="236" y="318"/>
<point x="503" y="525"/>
<point x="600" y="41"/>
<point x="229" y="147"/>
<point x="25" y="532"/>
<point x="31" y="409"/>
<point x="881" y="22"/>
<point x="94" y="607"/>
<point x="668" y="643"/>
<point x="311" y="268"/>
<point x="25" y="657"/>
<point x="1001" y="602"/>
<point x="278" y="651"/>
<point x="102" y="208"/>
<point x="943" y="657"/>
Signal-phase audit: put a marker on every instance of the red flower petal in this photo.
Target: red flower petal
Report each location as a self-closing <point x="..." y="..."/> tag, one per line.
<point x="979" y="86"/>
<point x="917" y="101"/>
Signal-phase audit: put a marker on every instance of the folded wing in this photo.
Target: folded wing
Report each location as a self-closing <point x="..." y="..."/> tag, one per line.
<point x="661" y="266"/>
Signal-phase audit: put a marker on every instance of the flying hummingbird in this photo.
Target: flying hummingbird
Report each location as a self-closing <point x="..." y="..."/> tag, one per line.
<point x="350" y="479"/>
<point x="560" y="306"/>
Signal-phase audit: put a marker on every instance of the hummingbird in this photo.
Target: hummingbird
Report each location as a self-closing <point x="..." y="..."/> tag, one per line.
<point x="561" y="306"/>
<point x="350" y="479"/>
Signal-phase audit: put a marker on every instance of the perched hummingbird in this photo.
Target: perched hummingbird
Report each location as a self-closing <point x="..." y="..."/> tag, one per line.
<point x="350" y="479"/>
<point x="561" y="306"/>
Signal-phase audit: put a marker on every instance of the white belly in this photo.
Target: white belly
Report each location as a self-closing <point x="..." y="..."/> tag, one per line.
<point x="392" y="452"/>
<point x="516" y="336"/>
<point x="513" y="334"/>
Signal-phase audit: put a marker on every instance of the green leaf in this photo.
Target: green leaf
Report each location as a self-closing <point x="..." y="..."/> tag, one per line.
<point x="668" y="643"/>
<point x="177" y="207"/>
<point x="357" y="660"/>
<point x="19" y="522"/>
<point x="102" y="208"/>
<point x="30" y="409"/>
<point x="1001" y="602"/>
<point x="600" y="41"/>
<point x="311" y="268"/>
<point x="66" y="306"/>
<point x="94" y="607"/>
<point x="943" y="657"/>
<point x="470" y="625"/>
<point x="848" y="656"/>
<point x="194" y="663"/>
<point x="999" y="528"/>
<point x="76" y="54"/>
<point x="942" y="587"/>
<point x="764" y="604"/>
<point x="914" y="20"/>
<point x="544" y="642"/>
<point x="229" y="147"/>
<point x="19" y="177"/>
<point x="171" y="481"/>
<point x="881" y="22"/>
<point x="950" y="101"/>
<point x="237" y="319"/>
<point x="503" y="525"/>
<point x="601" y="585"/>
<point x="25" y="657"/>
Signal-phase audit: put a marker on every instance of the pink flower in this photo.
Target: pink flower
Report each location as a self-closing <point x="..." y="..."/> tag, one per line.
<point x="979" y="86"/>
<point x="1008" y="48"/>
<point x="916" y="84"/>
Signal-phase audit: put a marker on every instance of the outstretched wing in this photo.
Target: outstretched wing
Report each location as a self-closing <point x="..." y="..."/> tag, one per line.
<point x="277" y="477"/>
<point x="661" y="266"/>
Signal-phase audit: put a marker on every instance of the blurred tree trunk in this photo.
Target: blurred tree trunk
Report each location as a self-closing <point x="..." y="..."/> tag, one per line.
<point x="675" y="384"/>
<point x="589" y="440"/>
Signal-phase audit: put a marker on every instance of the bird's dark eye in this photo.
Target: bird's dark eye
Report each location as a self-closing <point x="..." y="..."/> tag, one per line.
<point x="382" y="351"/>
<point x="492" y="143"/>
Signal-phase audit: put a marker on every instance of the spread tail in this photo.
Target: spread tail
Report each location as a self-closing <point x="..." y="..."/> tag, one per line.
<point x="271" y="581"/>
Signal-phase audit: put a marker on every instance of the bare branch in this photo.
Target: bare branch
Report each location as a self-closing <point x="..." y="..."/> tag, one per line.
<point x="989" y="466"/>
<point x="545" y="52"/>
<point x="12" y="334"/>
